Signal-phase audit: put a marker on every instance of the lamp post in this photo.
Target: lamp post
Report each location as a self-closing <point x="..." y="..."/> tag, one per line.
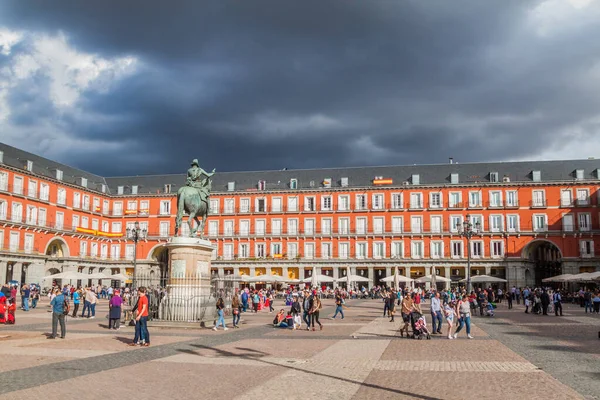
<point x="467" y="231"/>
<point x="136" y="234"/>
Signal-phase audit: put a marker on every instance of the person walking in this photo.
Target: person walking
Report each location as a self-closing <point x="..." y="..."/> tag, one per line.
<point x="295" y="311"/>
<point x="307" y="304"/>
<point x="255" y="301"/>
<point x="406" y="310"/>
<point x="436" y="313"/>
<point x="86" y="302"/>
<point x="236" y="308"/>
<point x="142" y="317"/>
<point x="270" y="298"/>
<point x="545" y="299"/>
<point x="114" y="314"/>
<point x="59" y="306"/>
<point x="339" y="302"/>
<point x="25" y="293"/>
<point x="557" y="300"/>
<point x="244" y="300"/>
<point x="449" y="313"/>
<point x="314" y="311"/>
<point x="221" y="314"/>
<point x="93" y="299"/>
<point x="464" y="314"/>
<point x="391" y="300"/>
<point x="76" y="302"/>
<point x="509" y="299"/>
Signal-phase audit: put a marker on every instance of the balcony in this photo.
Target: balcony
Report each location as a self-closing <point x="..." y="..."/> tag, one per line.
<point x="475" y="206"/>
<point x="456" y="206"/>
<point x="495" y="204"/>
<point x="511" y="204"/>
<point x="416" y="206"/>
<point x="582" y="202"/>
<point x="538" y="203"/>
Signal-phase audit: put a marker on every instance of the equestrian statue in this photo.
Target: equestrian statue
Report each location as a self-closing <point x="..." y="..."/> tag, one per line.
<point x="193" y="199"/>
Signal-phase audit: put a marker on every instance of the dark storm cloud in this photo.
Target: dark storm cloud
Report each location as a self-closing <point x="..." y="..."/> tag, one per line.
<point x="271" y="84"/>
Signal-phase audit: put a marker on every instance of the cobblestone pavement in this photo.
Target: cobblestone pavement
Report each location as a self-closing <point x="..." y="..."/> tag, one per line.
<point x="513" y="354"/>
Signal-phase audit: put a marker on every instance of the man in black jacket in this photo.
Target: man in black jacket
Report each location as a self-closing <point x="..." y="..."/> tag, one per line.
<point x="545" y="302"/>
<point x="307" y="304"/>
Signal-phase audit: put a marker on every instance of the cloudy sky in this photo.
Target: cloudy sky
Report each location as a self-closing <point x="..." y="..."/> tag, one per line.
<point x="130" y="87"/>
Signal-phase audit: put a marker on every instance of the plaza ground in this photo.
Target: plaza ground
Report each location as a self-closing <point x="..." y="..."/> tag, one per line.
<point x="513" y="355"/>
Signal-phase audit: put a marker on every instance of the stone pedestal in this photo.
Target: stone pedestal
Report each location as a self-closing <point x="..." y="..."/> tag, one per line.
<point x="188" y="296"/>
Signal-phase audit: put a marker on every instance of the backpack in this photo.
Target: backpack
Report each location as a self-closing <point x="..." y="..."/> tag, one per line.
<point x="65" y="306"/>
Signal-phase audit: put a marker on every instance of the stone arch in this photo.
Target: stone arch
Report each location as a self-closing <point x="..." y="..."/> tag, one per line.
<point x="159" y="254"/>
<point x="155" y="251"/>
<point x="57" y="247"/>
<point x="545" y="257"/>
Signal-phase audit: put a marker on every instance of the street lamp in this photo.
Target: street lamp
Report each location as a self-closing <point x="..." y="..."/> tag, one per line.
<point x="136" y="234"/>
<point x="466" y="230"/>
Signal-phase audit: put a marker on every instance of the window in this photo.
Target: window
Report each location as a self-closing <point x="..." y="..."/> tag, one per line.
<point x="416" y="200"/>
<point x="309" y="226"/>
<point x="3" y="181"/>
<point x="118" y="208"/>
<point x="132" y="206"/>
<point x="475" y="199"/>
<point x="95" y="224"/>
<point x="94" y="249"/>
<point x="397" y="249"/>
<point x="292" y="204"/>
<point x="457" y="249"/>
<point x="105" y="207"/>
<point x="493" y="177"/>
<point x="31" y="217"/>
<point x="3" y="209"/>
<point x="416" y="249"/>
<point x="129" y="251"/>
<point x="455" y="200"/>
<point x="243" y="250"/>
<point x="230" y="186"/>
<point x="17" y="212"/>
<point x="214" y="206"/>
<point x="344" y="250"/>
<point x="75" y="222"/>
<point x="117" y="227"/>
<point x="83" y="249"/>
<point x="436" y="224"/>
<point x="536" y="176"/>
<point x="259" y="250"/>
<point x="512" y="198"/>
<point x="292" y="250"/>
<point x="326" y="226"/>
<point x="361" y="250"/>
<point x="587" y="248"/>
<point x="435" y="200"/>
<point x="120" y="190"/>
<point x="567" y="223"/>
<point x="496" y="223"/>
<point x="477" y="249"/>
<point x="309" y="204"/>
<point x="84" y="222"/>
<point x="60" y="221"/>
<point x="416" y="224"/>
<point x="309" y="251"/>
<point x="261" y="205"/>
<point x="276" y="249"/>
<point x="115" y="251"/>
<point x="456" y="222"/>
<point x="244" y="227"/>
<point x="477" y="222"/>
<point x="583" y="197"/>
<point x="32" y="188"/>
<point x="326" y="250"/>
<point x="361" y="202"/>
<point x="228" y="251"/>
<point x="213" y="228"/>
<point x="361" y="225"/>
<point x="13" y="242"/>
<point x="415" y="179"/>
<point x="105" y="227"/>
<point x="497" y="248"/>
<point x="229" y="206"/>
<point x="76" y="200"/>
<point x="379" y="250"/>
<point x="344" y="226"/>
<point x="496" y="198"/>
<point x="276" y="227"/>
<point x="276" y="205"/>
<point x="540" y="223"/>
<point x="378" y="225"/>
<point x="579" y="174"/>
<point x="538" y="198"/>
<point x="59" y="175"/>
<point x="44" y="192"/>
<point x="377" y="202"/>
<point x="260" y="227"/>
<point x="512" y="223"/>
<point x="293" y="183"/>
<point x="343" y="203"/>
<point x="144" y="206"/>
<point x="134" y="189"/>
<point x="326" y="203"/>
<point x="454" y="178"/>
<point x="397" y="224"/>
<point x="344" y="181"/>
<point x="41" y="217"/>
<point x="566" y="198"/>
<point x="585" y="221"/>
<point x="437" y="249"/>
<point x="28" y="243"/>
<point x="397" y="201"/>
<point x="104" y="251"/>
<point x="244" y="205"/>
<point x="228" y="227"/>
<point x="18" y="185"/>
<point x="61" y="197"/>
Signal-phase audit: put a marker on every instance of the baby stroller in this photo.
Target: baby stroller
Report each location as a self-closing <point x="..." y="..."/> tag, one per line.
<point x="419" y="326"/>
<point x="489" y="310"/>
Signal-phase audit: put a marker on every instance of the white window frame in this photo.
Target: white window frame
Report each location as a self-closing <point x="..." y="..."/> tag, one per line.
<point x="492" y="200"/>
<point x="326" y="203"/>
<point x="44" y="191"/>
<point x="18" y="187"/>
<point x="535" y="219"/>
<point x="117" y="208"/>
<point x="586" y="248"/>
<point x="512" y="202"/>
<point x="260" y="250"/>
<point x="259" y="232"/>
<point x="494" y="217"/>
<point x="341" y="200"/>
<point x="431" y="224"/>
<point x="291" y="207"/>
<point x="440" y="198"/>
<point x="378" y="225"/>
<point x="229" y="206"/>
<point x="535" y="202"/>
<point x="397" y="245"/>
<point x="432" y="251"/>
<point x="164" y="228"/>
<point x="568" y="227"/>
<point x="214" y="207"/>
<point x="417" y="249"/>
<point x="366" y="226"/>
<point x="583" y="197"/>
<point x="508" y="228"/>
<point x="477" y="249"/>
<point x="245" y="205"/>
<point x="344" y="226"/>
<point x="453" y="246"/>
<point x="309" y="221"/>
<point x="493" y="252"/>
<point x="584" y="221"/>
<point x="309" y="250"/>
<point x="228" y="227"/>
<point x="277" y="208"/>
<point x="326" y="250"/>
<point x="379" y="250"/>
<point x="243" y="250"/>
<point x="416" y="200"/>
<point x="475" y="203"/>
<point x="343" y="254"/>
<point x="76" y="200"/>
<point x="61" y="196"/>
<point x="566" y="198"/>
<point x="397" y="201"/>
<point x="416" y="228"/>
<point x="326" y="226"/>
<point x="310" y="204"/>
<point x="454" y="228"/>
<point x="377" y="201"/>
<point x="364" y="249"/>
<point x="360" y="202"/>
<point x="32" y="188"/>
<point x="397" y="224"/>
<point x="292" y="225"/>
<point x="451" y="202"/>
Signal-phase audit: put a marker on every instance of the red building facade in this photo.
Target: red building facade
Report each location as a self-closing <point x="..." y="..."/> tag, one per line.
<point x="533" y="220"/>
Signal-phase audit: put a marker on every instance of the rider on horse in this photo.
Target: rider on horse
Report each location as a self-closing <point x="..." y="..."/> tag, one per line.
<point x="195" y="179"/>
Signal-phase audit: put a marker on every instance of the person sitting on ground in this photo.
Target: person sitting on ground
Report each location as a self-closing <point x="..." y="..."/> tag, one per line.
<point x="280" y="320"/>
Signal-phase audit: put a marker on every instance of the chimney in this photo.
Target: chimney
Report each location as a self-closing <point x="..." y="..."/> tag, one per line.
<point x="451" y="160"/>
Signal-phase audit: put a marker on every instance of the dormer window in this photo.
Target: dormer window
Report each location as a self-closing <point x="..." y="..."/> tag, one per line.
<point x="262" y="185"/>
<point x="59" y="175"/>
<point x="84" y="182"/>
<point x="2" y="157"/>
<point x="327" y="182"/>
<point x="29" y="166"/>
<point x="344" y="182"/>
<point x="454" y="178"/>
<point x="493" y="177"/>
<point x="120" y="190"/>
<point x="167" y="188"/>
<point x="536" y="176"/>
<point x="230" y="186"/>
<point x="579" y="174"/>
<point x="415" y="179"/>
<point x="293" y="183"/>
<point x="103" y="188"/>
<point x="134" y="189"/>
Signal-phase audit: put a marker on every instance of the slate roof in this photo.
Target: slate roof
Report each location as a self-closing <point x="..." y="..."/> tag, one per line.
<point x="358" y="177"/>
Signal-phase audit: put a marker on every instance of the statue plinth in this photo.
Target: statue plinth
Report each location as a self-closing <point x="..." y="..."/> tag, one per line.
<point x="189" y="285"/>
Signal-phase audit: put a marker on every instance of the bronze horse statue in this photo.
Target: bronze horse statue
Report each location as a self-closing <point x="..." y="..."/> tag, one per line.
<point x="193" y="201"/>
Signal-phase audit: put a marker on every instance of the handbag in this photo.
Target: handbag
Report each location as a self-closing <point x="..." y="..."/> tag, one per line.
<point x="236" y="311"/>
